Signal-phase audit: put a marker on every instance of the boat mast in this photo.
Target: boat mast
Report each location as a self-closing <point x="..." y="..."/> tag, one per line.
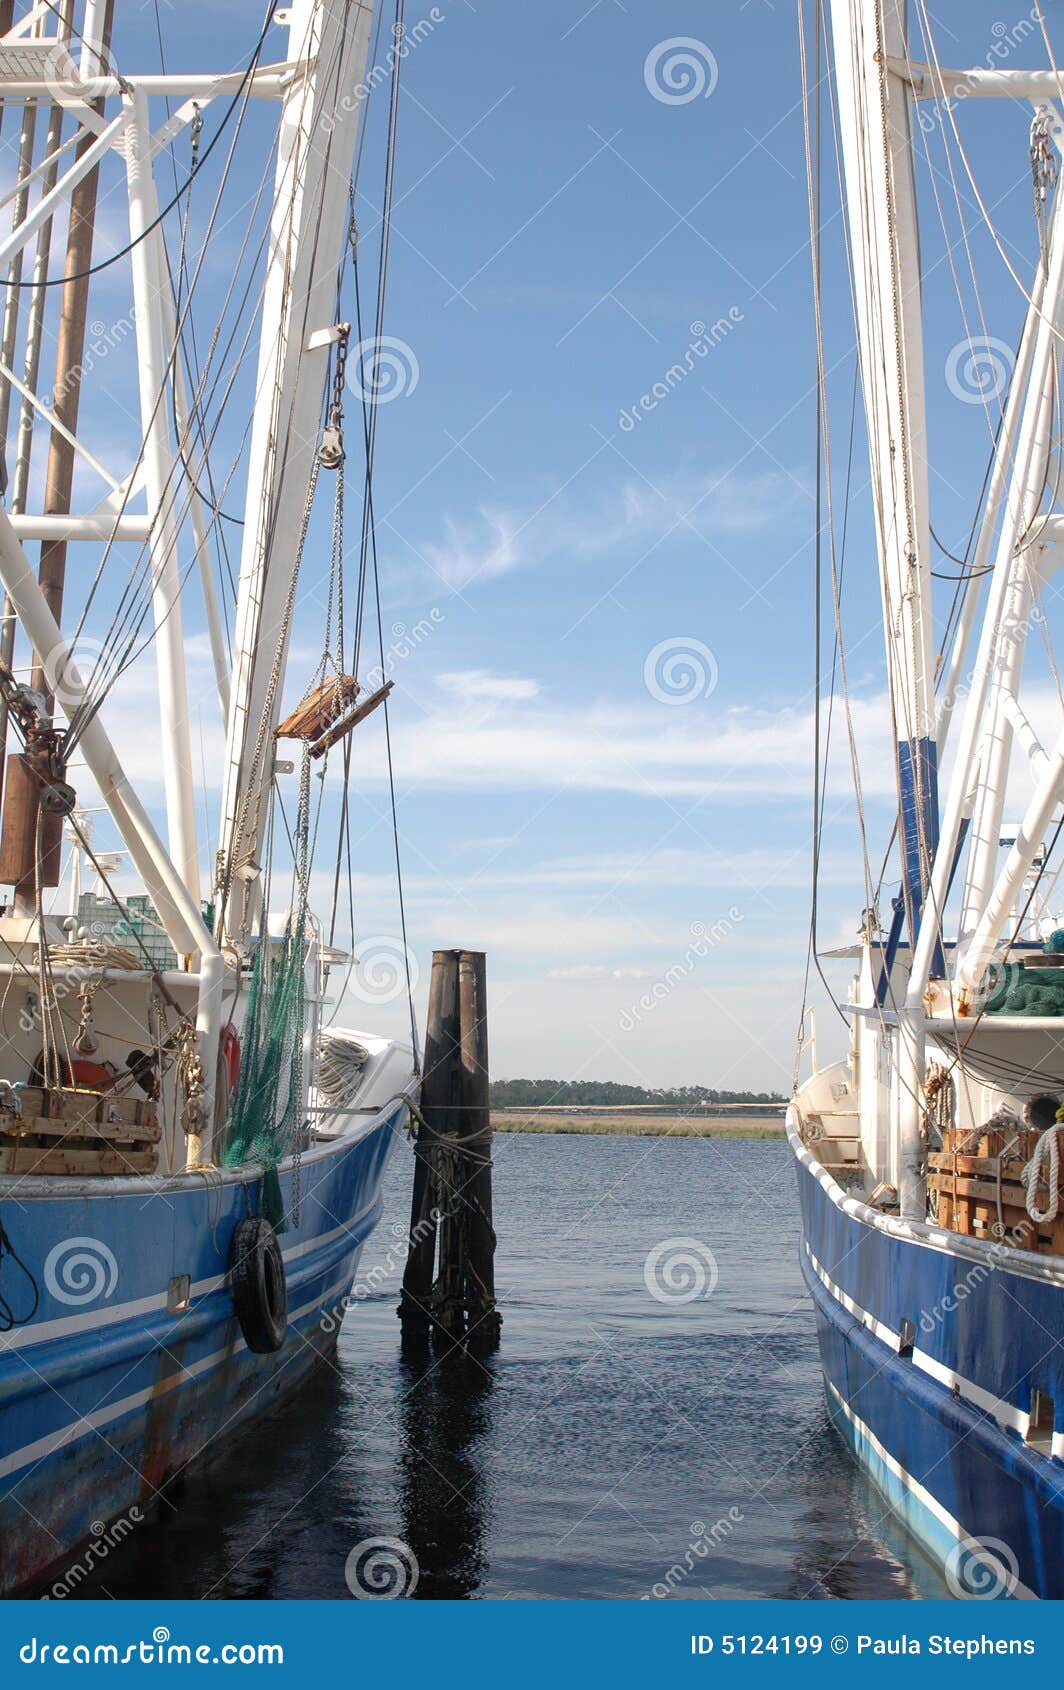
<point x="319" y="126"/>
<point x="875" y="129"/>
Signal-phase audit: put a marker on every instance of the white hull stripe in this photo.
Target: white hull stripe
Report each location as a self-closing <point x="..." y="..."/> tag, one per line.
<point x="1003" y="1412"/>
<point x="915" y="1489"/>
<point x="184" y="1376"/>
<point x="62" y="1327"/>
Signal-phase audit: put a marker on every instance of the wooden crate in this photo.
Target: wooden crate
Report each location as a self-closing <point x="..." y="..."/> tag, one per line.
<point x="66" y="1131"/>
<point x="976" y="1177"/>
<point x="80" y="1161"/>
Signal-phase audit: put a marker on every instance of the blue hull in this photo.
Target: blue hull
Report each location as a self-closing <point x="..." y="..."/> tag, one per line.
<point x="112" y="1389"/>
<point x="942" y="1426"/>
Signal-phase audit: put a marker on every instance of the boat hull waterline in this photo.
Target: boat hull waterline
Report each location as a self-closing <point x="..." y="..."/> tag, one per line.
<point x="110" y="1391"/>
<point x="931" y="1347"/>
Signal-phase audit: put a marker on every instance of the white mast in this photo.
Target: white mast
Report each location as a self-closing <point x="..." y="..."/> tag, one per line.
<point x="874" y="120"/>
<point x="319" y="124"/>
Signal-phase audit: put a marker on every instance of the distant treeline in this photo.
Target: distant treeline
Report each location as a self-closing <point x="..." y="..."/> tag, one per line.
<point x="536" y="1094"/>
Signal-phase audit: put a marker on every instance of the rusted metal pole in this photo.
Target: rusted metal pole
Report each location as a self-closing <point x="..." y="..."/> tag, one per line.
<point x="59" y="473"/>
<point x="70" y="349"/>
<point x="440" y="1101"/>
<point x="482" y="1314"/>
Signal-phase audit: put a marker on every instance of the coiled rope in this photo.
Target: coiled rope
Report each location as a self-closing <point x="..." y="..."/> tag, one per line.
<point x="1046" y="1150"/>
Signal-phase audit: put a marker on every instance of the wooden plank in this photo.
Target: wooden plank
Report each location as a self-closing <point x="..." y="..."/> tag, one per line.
<point x="25" y="1160"/>
<point x="117" y="1132"/>
<point x="1012" y="1193"/>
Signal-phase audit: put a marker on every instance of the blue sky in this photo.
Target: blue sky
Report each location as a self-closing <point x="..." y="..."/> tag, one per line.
<point x="626" y="836"/>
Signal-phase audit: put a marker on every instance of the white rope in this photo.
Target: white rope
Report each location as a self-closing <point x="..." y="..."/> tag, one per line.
<point x="1048" y="1147"/>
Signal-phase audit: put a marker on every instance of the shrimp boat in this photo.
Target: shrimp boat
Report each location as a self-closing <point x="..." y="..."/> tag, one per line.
<point x="191" y="1152"/>
<point x="928" y="1157"/>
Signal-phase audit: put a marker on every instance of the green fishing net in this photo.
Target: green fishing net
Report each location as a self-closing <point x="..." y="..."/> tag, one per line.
<point x="269" y="1098"/>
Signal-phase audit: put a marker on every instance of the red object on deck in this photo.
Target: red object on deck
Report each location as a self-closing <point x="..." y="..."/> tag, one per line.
<point x="229" y="1051"/>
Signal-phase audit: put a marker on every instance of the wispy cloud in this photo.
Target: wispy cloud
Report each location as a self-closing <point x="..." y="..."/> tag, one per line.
<point x="633" y="516"/>
<point x="481" y="685"/>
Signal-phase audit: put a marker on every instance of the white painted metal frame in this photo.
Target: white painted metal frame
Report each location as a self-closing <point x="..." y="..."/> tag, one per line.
<point x="319" y="127"/>
<point x="874" y="125"/>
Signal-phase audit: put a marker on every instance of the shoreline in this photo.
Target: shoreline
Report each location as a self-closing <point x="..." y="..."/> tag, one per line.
<point x="609" y="1124"/>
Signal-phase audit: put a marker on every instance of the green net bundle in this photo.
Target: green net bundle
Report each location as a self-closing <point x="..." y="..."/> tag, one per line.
<point x="269" y="1097"/>
<point x="1015" y="990"/>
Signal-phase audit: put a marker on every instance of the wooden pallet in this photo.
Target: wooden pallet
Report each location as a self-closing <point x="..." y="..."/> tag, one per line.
<point x="63" y="1130"/>
<point x="976" y="1179"/>
<point x="92" y="1162"/>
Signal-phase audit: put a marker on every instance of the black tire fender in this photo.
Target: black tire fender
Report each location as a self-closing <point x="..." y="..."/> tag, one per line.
<point x="260" y="1291"/>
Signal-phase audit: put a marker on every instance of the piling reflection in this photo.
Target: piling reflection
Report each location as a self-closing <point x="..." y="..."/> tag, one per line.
<point x="443" y="1481"/>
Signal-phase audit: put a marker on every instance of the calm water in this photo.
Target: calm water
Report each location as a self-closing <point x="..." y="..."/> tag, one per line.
<point x="585" y="1457"/>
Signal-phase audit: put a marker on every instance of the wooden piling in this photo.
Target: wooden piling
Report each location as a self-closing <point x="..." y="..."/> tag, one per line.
<point x="452" y="1202"/>
<point x="440" y="1115"/>
<point x="481" y="1312"/>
